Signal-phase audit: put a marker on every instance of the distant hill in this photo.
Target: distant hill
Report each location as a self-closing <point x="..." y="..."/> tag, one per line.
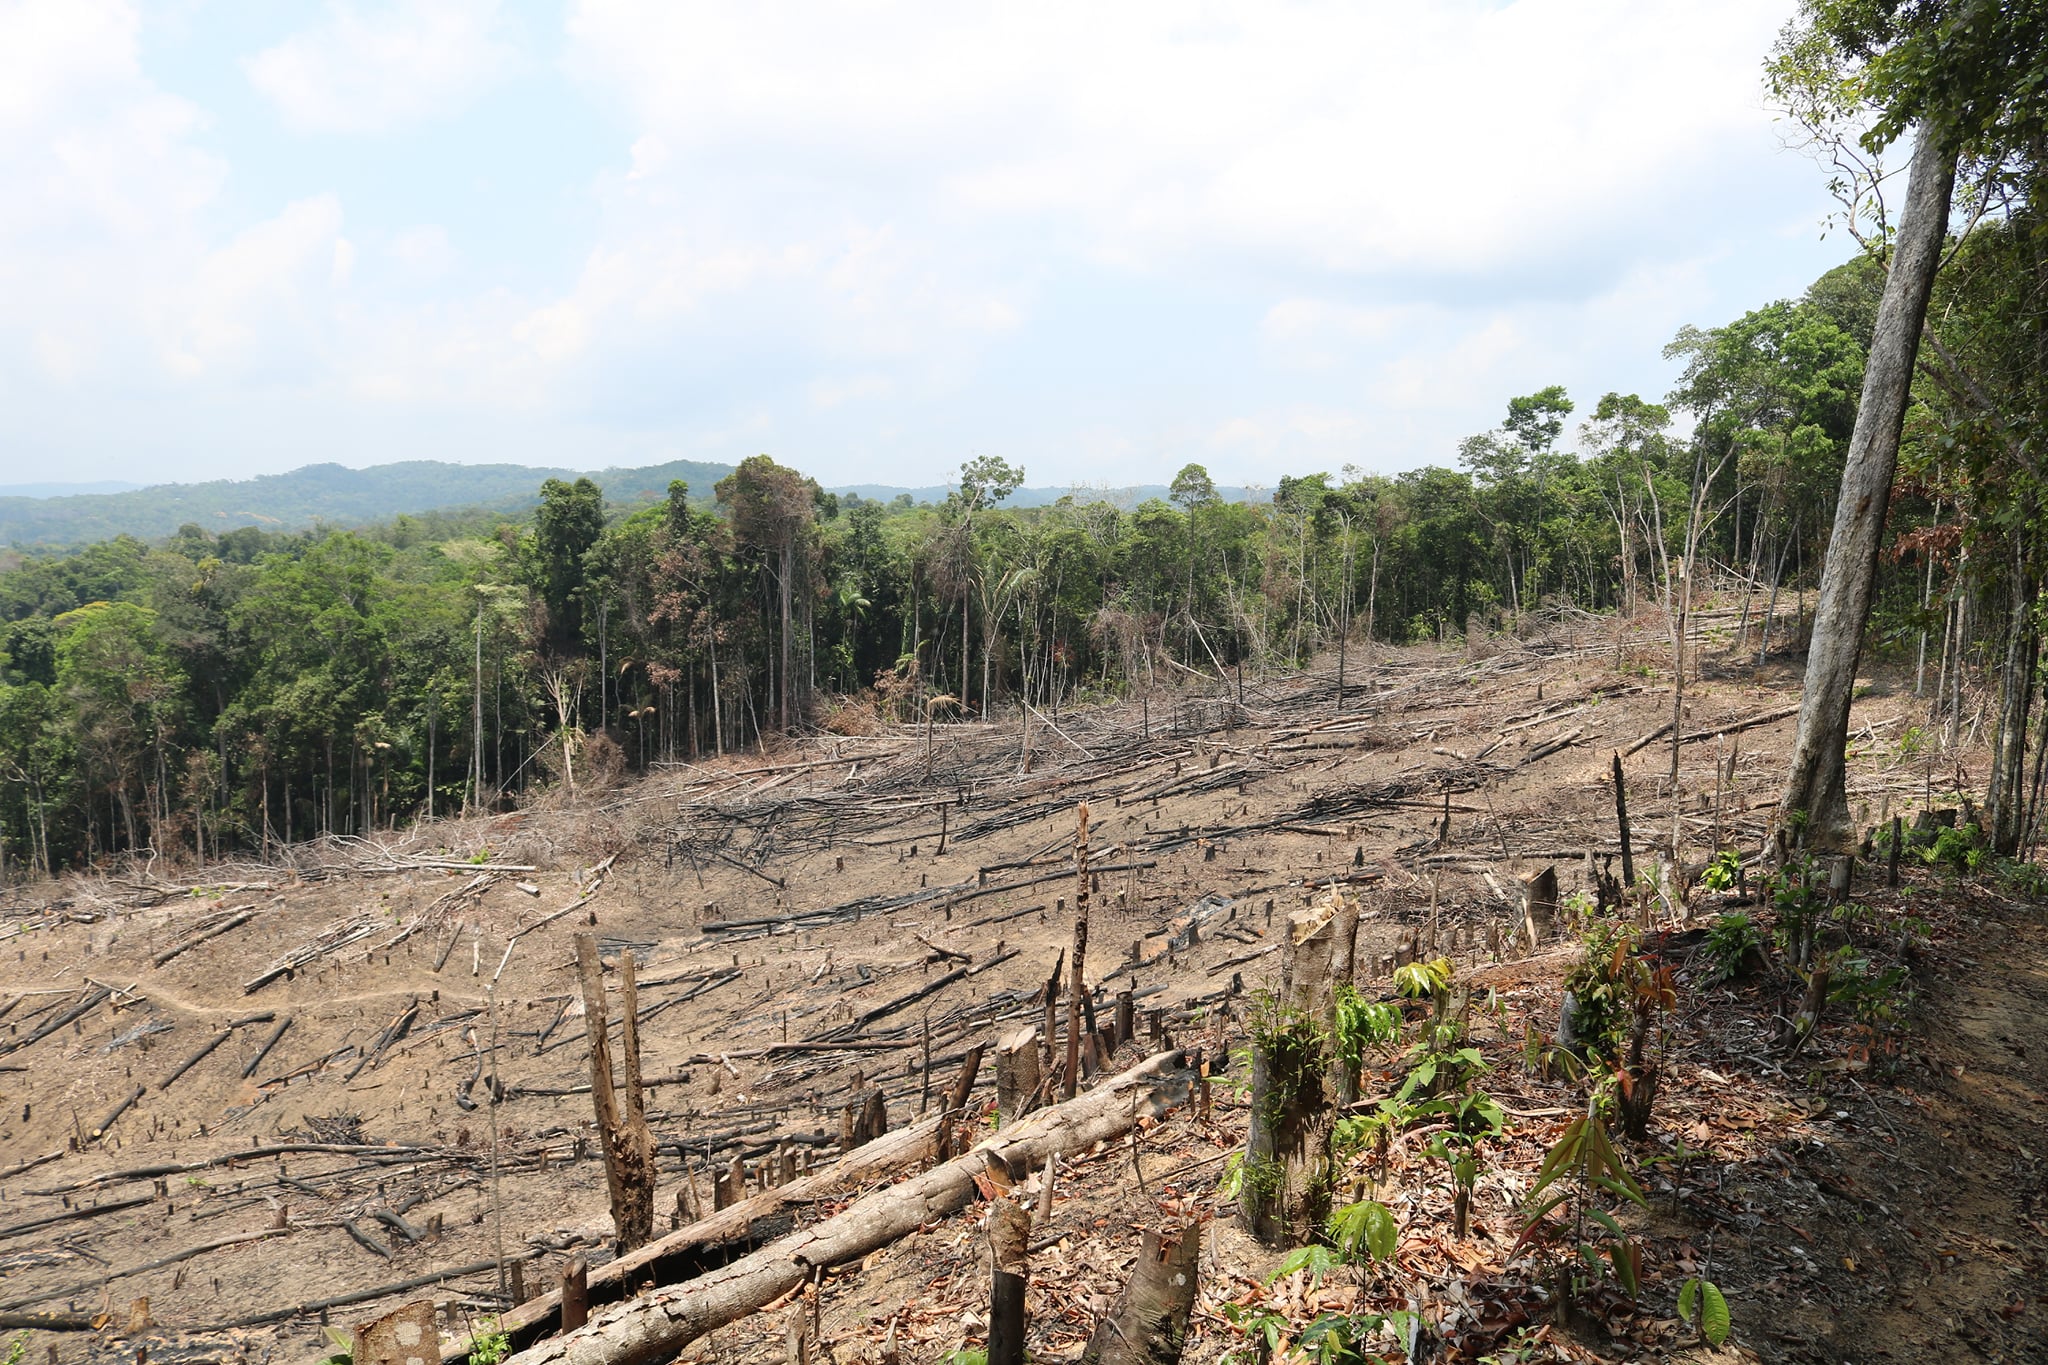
<point x="319" y="493"/>
<point x="337" y="495"/>
<point x="59" y="490"/>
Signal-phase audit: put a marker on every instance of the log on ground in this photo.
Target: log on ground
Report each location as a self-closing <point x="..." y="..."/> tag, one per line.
<point x="656" y="1325"/>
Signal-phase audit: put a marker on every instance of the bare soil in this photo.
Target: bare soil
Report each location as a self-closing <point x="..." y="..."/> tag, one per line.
<point x="1876" y="1196"/>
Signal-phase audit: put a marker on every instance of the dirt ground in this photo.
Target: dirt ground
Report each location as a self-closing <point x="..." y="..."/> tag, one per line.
<point x="1876" y="1196"/>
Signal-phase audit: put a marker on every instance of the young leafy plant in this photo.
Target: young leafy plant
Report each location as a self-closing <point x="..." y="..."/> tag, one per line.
<point x="1702" y="1299"/>
<point x="1580" y="1168"/>
<point x="1733" y="944"/>
<point x="1723" y="872"/>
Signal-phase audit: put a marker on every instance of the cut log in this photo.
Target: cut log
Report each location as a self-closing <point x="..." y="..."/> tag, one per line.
<point x="656" y="1325"/>
<point x="235" y="920"/>
<point x="1150" y="1323"/>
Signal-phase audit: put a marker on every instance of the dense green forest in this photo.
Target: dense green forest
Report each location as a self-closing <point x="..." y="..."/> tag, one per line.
<point x="208" y="695"/>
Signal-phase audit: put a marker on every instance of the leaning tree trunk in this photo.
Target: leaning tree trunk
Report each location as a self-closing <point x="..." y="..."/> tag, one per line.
<point x="1816" y="786"/>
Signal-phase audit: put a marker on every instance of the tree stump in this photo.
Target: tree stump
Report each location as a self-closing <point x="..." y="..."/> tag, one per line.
<point x="1539" y="906"/>
<point x="1009" y="1237"/>
<point x="1284" y="1179"/>
<point x="1149" y="1325"/>
<point x="1017" y="1074"/>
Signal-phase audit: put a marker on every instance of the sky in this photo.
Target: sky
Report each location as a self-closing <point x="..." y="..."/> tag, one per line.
<point x="871" y="240"/>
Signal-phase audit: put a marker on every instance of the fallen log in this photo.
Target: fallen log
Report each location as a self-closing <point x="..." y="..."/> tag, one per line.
<point x="48" y="1322"/>
<point x="235" y="920"/>
<point x="657" y="1324"/>
<point x="382" y="1291"/>
<point x="55" y="1022"/>
<point x="753" y="1220"/>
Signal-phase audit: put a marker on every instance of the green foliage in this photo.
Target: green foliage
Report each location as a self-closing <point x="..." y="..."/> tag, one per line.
<point x="1959" y="849"/>
<point x="344" y="1344"/>
<point x="2024" y="879"/>
<point x="1600" y="984"/>
<point x="1582" y="1174"/>
<point x="1419" y="979"/>
<point x="1316" y="1259"/>
<point x="489" y="1343"/>
<point x="1701" y="1300"/>
<point x="1723" y="871"/>
<point x="1367" y="1226"/>
<point x="1801" y="907"/>
<point x="16" y="1350"/>
<point x="1875" y="997"/>
<point x="1363" y="1025"/>
<point x="968" y="1355"/>
<point x="1731" y="941"/>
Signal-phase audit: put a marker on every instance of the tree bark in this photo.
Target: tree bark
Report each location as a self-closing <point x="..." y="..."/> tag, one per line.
<point x="1017" y="1074"/>
<point x="1816" y="787"/>
<point x="656" y="1325"/>
<point x="1284" y="1179"/>
<point x="1150" y="1323"/>
<point x="628" y="1146"/>
<point x="1009" y="1238"/>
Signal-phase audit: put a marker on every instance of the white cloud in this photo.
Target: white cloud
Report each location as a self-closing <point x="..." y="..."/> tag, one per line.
<point x="264" y="299"/>
<point x="371" y="70"/>
<point x="1456" y="137"/>
<point x="423" y="250"/>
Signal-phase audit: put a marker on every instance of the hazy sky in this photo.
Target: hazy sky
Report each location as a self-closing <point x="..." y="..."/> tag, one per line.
<point x="1101" y="240"/>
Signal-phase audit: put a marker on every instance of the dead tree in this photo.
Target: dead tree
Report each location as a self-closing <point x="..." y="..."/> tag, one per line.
<point x="1149" y="1325"/>
<point x="628" y="1145"/>
<point x="1077" y="990"/>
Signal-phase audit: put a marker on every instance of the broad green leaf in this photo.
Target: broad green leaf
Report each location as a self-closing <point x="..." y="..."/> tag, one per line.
<point x="1688" y="1300"/>
<point x="1714" y="1324"/>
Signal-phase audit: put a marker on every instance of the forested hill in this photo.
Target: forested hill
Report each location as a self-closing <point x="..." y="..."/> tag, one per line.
<point x="316" y="493"/>
<point x="337" y="495"/>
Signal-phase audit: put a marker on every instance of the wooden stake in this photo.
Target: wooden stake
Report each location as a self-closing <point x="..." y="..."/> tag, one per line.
<point x="575" y="1294"/>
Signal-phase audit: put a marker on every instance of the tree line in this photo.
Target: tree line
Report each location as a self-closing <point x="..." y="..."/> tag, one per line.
<point x="216" y="694"/>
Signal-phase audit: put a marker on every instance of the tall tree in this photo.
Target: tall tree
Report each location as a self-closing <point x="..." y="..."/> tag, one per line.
<point x="773" y="511"/>
<point x="565" y="527"/>
<point x="1966" y="77"/>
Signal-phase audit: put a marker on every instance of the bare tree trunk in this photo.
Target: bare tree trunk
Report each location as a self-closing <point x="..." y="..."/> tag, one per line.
<point x="628" y="1146"/>
<point x="1816" y="787"/>
<point x="2005" y="795"/>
